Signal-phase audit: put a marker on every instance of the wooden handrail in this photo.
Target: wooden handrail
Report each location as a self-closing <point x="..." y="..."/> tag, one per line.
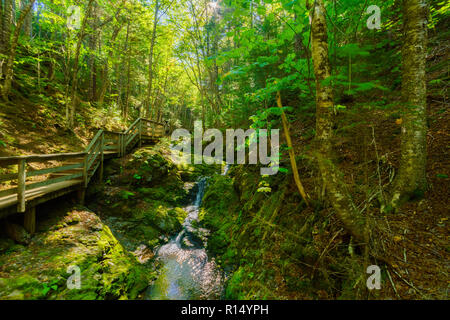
<point x="132" y="126"/>
<point x="94" y="140"/>
<point x="6" y="161"/>
<point x="153" y="121"/>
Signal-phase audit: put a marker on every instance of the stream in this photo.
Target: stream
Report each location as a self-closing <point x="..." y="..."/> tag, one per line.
<point x="186" y="272"/>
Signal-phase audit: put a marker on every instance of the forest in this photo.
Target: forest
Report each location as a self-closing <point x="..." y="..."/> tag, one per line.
<point x="349" y="202"/>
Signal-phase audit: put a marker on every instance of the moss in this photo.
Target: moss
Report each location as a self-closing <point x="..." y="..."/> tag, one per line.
<point x="158" y="215"/>
<point x="193" y="172"/>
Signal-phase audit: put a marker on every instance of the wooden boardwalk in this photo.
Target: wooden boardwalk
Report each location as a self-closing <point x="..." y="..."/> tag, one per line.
<point x="73" y="174"/>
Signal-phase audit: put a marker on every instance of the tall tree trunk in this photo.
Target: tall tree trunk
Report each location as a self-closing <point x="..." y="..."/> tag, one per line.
<point x="411" y="180"/>
<point x="7" y="22"/>
<point x="336" y="189"/>
<point x="27" y="25"/>
<point x="74" y="88"/>
<point x="9" y="68"/>
<point x="127" y="96"/>
<point x="127" y="54"/>
<point x="120" y="72"/>
<point x="105" y="74"/>
<point x="150" y="57"/>
<point x="93" y="39"/>
<point x="1" y="28"/>
<point x="51" y="58"/>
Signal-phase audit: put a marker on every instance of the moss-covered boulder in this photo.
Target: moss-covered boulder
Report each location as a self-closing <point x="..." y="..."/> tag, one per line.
<point x="76" y="239"/>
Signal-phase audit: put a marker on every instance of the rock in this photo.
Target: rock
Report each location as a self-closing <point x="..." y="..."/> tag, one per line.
<point x="39" y="270"/>
<point x="198" y="235"/>
<point x="17" y="233"/>
<point x="143" y="253"/>
<point x="194" y="238"/>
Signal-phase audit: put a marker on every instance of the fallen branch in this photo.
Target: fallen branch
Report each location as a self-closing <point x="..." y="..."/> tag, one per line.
<point x="291" y="152"/>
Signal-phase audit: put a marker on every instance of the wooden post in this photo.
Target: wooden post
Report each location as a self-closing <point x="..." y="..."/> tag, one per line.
<point x="123" y="144"/>
<point x="140" y="134"/>
<point x="85" y="171"/>
<point x="102" y="157"/>
<point x="119" y="145"/>
<point x="81" y="193"/>
<point x="29" y="221"/>
<point x="21" y="186"/>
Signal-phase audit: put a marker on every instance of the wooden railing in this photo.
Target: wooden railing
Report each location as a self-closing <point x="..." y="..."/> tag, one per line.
<point x="23" y="173"/>
<point x="78" y="166"/>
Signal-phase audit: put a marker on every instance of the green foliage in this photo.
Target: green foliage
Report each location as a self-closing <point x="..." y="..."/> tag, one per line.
<point x="126" y="194"/>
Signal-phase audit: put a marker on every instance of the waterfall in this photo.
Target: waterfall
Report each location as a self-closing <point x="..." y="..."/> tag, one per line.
<point x="187" y="272"/>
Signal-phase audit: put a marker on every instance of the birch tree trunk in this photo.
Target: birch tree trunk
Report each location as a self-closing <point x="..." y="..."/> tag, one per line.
<point x="411" y="179"/>
<point x="331" y="177"/>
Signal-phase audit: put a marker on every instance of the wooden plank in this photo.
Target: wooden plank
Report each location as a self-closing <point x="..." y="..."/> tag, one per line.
<point x="8" y="192"/>
<point x="53" y="170"/>
<point x="94" y="140"/>
<point x="152" y="121"/>
<point x="93" y="171"/>
<point x="21" y="185"/>
<point x="95" y="151"/>
<point x="8" y="177"/>
<point x="115" y="147"/>
<point x="131" y="138"/>
<point x="94" y="155"/>
<point x="132" y="126"/>
<point x="53" y="181"/>
<point x="91" y="162"/>
<point x="37" y="196"/>
<point x="6" y="161"/>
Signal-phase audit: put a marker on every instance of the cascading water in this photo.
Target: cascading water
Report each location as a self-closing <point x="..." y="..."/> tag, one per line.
<point x="186" y="272"/>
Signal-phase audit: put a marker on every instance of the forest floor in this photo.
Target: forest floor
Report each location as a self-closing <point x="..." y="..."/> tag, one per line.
<point x="417" y="244"/>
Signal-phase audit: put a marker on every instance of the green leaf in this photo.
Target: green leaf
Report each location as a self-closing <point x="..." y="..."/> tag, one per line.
<point x="283" y="170"/>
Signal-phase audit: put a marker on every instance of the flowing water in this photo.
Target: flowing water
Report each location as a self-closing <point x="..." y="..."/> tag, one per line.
<point x="187" y="273"/>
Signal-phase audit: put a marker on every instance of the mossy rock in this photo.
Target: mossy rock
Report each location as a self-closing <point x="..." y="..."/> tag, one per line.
<point x="158" y="215"/>
<point x="39" y="271"/>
